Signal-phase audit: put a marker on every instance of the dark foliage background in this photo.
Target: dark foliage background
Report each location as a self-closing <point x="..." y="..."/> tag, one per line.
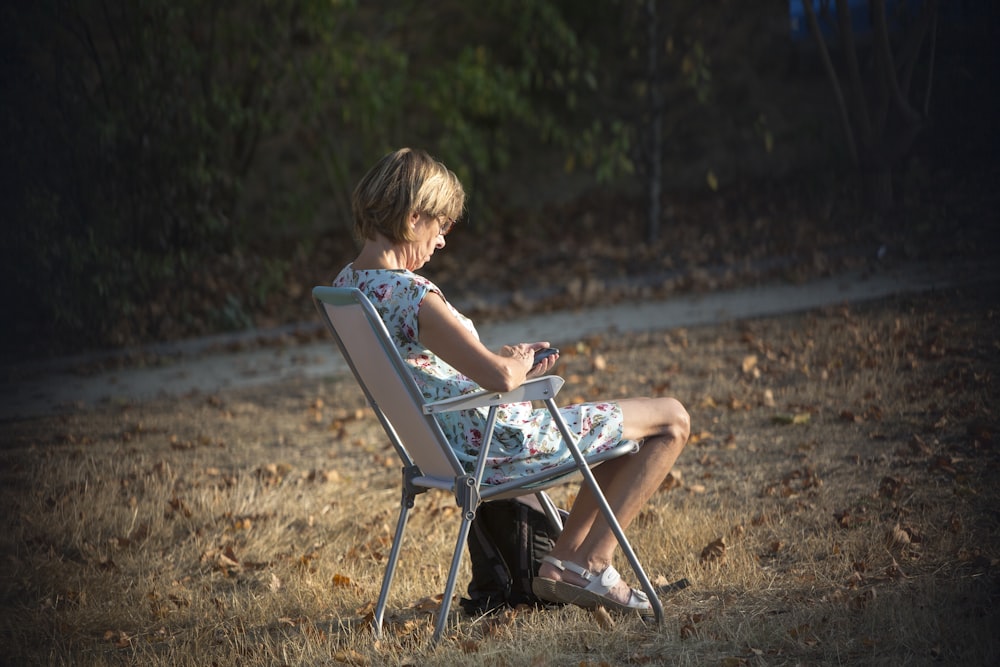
<point x="174" y="168"/>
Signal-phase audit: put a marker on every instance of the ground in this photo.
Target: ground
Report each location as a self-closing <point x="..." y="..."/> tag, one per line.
<point x="837" y="501"/>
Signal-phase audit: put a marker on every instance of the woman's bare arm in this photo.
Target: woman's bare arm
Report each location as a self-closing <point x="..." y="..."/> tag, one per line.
<point x="444" y="335"/>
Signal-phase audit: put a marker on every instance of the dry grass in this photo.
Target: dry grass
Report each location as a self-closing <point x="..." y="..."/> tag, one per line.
<point x="846" y="458"/>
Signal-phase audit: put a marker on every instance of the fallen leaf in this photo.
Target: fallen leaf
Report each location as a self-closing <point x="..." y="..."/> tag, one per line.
<point x="350" y="657"/>
<point x="945" y="464"/>
<point x="698" y="436"/>
<point x="795" y="418"/>
<point x="227" y="560"/>
<point x="715" y="550"/>
<point x="366" y="611"/>
<point x="672" y="480"/>
<point x="848" y="416"/>
<point x="769" y="398"/>
<point x="429" y="603"/>
<point x="603" y="618"/>
<point x="323" y="476"/>
<point x="798" y="631"/>
<point x="889" y="487"/>
<point x="864" y="599"/>
<point x="899" y="536"/>
<point x="178" y="506"/>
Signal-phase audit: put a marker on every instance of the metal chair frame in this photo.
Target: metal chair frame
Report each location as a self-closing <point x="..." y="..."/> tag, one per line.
<point x="427" y="457"/>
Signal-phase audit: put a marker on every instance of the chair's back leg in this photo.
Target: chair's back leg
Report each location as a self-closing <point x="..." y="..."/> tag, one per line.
<point x="551" y="513"/>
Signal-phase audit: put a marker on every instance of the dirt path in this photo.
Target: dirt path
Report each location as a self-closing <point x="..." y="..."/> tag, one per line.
<point x="262" y="358"/>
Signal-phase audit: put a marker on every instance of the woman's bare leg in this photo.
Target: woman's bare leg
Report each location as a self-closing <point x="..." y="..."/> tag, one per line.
<point x="628" y="483"/>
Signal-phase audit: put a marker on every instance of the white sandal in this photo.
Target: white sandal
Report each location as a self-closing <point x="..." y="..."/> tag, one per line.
<point x="594" y="594"/>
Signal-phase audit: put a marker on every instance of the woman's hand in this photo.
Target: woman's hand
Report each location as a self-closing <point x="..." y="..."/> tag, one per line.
<point x="543" y="366"/>
<point x="525" y="353"/>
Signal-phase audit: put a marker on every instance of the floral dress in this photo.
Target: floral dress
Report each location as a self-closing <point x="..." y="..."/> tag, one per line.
<point x="525" y="440"/>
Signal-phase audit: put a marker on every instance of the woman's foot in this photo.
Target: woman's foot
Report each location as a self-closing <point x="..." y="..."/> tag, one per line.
<point x="567" y="582"/>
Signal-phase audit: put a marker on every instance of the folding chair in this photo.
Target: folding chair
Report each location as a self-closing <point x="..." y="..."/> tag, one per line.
<point x="428" y="459"/>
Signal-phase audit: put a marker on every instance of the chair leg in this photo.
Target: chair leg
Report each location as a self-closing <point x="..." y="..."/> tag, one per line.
<point x="390" y="567"/>
<point x="609" y="514"/>
<point x="551" y="513"/>
<point x="449" y="589"/>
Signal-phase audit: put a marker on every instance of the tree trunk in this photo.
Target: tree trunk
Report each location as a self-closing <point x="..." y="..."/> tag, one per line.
<point x="880" y="124"/>
<point x="655" y="132"/>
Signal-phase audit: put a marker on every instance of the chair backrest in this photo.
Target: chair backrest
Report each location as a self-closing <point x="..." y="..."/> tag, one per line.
<point x="386" y="381"/>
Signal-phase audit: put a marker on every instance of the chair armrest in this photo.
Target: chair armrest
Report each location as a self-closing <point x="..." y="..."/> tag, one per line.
<point x="535" y="389"/>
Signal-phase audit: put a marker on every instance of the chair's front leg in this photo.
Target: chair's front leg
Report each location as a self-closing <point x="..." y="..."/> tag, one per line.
<point x="449" y="589"/>
<point x="609" y="514"/>
<point x="405" y="504"/>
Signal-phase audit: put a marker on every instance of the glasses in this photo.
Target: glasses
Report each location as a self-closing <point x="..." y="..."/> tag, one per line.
<point x="445" y="226"/>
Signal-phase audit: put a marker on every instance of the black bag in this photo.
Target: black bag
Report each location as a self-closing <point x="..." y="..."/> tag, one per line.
<point x="507" y="542"/>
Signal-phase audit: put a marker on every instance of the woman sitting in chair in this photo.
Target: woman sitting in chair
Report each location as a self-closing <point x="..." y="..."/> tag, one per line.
<point x="403" y="209"/>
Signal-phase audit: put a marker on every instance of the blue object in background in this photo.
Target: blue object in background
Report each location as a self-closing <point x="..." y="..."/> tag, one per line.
<point x="950" y="11"/>
<point x="799" y="24"/>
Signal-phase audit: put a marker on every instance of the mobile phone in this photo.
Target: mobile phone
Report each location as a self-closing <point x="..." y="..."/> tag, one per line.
<point x="543" y="353"/>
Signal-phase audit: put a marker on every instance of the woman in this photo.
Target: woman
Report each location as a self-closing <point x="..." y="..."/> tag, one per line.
<point x="403" y="209"/>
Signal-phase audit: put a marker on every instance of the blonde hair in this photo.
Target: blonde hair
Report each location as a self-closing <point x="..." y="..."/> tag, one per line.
<point x="403" y="182"/>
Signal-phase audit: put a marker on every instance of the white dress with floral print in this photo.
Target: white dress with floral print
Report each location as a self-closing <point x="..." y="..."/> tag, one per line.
<point x="525" y="440"/>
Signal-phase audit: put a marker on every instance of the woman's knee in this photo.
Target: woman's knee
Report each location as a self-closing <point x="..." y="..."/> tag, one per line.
<point x="677" y="420"/>
<point x="656" y="418"/>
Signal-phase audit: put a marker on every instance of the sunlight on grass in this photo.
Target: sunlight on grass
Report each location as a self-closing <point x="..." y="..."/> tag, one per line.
<point x="252" y="528"/>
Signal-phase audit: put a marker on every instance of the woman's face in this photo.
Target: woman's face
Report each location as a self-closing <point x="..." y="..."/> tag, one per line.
<point x="428" y="236"/>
